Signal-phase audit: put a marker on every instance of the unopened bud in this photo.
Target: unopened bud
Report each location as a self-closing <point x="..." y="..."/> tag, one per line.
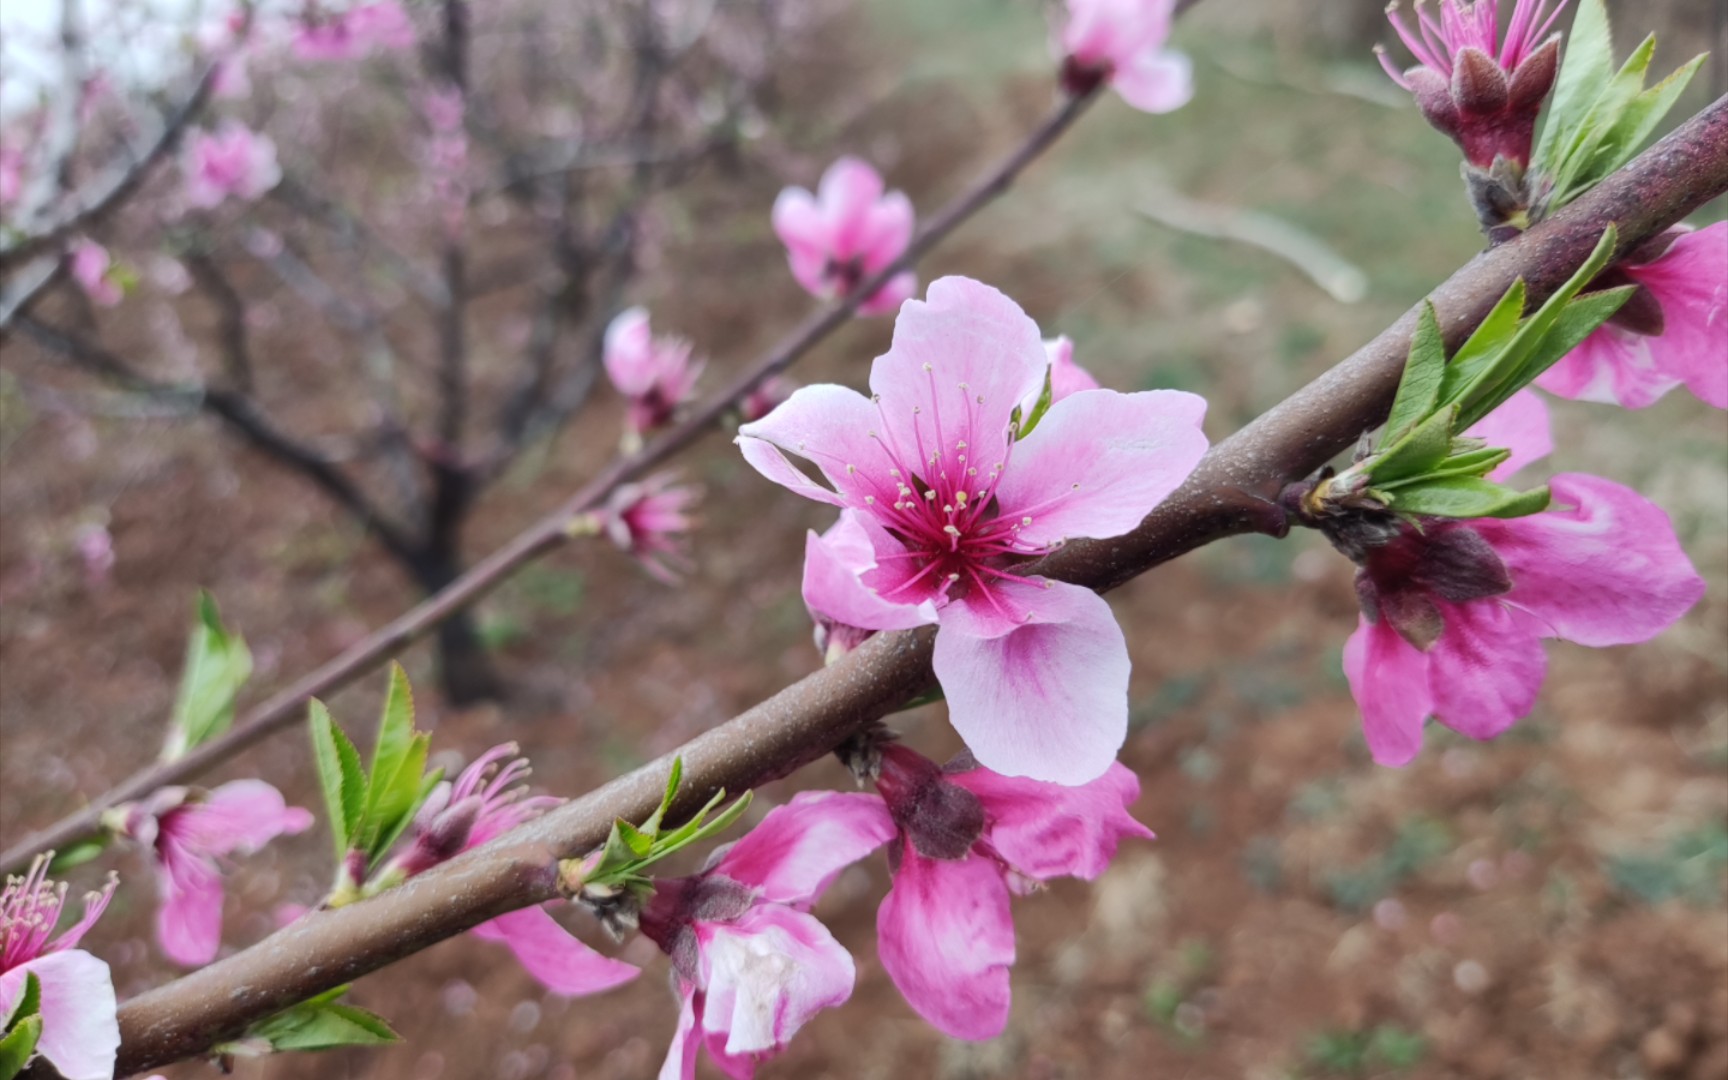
<point x="1535" y="76"/>
<point x="1479" y="86"/>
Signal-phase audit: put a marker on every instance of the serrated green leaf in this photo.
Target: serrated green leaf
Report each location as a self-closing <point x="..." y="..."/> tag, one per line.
<point x="78" y="854"/>
<point x="615" y="855"/>
<point x="17" y="1046"/>
<point x="639" y="842"/>
<point x="682" y="834"/>
<point x="29" y="1003"/>
<point x="1046" y="397"/>
<point x="1639" y="118"/>
<point x="395" y="738"/>
<point x="1587" y="63"/>
<point x="217" y="667"/>
<point x="339" y="774"/>
<point x="1473" y="463"/>
<point x="1467" y="497"/>
<point x="724" y="819"/>
<point x="1419" y="388"/>
<point x="1490" y="338"/>
<point x="391" y="831"/>
<point x="323" y="1023"/>
<point x="1425" y="447"/>
<point x="673" y="780"/>
<point x="1579" y="164"/>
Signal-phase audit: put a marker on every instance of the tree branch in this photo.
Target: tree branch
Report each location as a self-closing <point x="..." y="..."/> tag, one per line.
<point x="1225" y="496"/>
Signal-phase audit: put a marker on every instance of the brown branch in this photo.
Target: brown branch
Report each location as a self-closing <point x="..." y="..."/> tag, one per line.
<point x="1225" y="496"/>
<point x="287" y="705"/>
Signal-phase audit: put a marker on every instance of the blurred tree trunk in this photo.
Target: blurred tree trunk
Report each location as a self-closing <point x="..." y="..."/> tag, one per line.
<point x="464" y="670"/>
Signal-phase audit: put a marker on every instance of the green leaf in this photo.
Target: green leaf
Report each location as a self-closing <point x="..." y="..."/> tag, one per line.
<point x="639" y="842"/>
<point x="1587" y="65"/>
<point x="393" y="792"/>
<point x="17" y="1046"/>
<point x="673" y="780"/>
<point x="1473" y="463"/>
<point x="323" y="1023"/>
<point x="78" y="854"/>
<point x="1639" y="117"/>
<point x="29" y="1003"/>
<point x="1580" y="162"/>
<point x="390" y="832"/>
<point x="1046" y="397"/>
<point x="1491" y="337"/>
<point x="217" y="666"/>
<point x="1467" y="497"/>
<point x="1416" y="453"/>
<point x="339" y="774"/>
<point x="1419" y="389"/>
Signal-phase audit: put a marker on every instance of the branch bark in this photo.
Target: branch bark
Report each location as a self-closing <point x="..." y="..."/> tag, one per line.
<point x="1227" y="495"/>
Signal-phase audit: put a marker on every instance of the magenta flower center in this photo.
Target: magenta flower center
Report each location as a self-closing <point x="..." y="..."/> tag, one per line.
<point x="29" y="909"/>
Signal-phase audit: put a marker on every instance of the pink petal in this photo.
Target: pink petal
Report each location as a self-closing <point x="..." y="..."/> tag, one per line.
<point x="552" y="955"/>
<point x="960" y="361"/>
<point x="1100" y="461"/>
<point x="1067" y="378"/>
<point x="628" y="353"/>
<point x="1049" y="699"/>
<point x="1690" y="281"/>
<point x="189" y="921"/>
<point x="1612" y="366"/>
<point x="1155" y="82"/>
<point x="946" y="938"/>
<point x="80" y="1035"/>
<point x="1601" y="566"/>
<point x="767" y="974"/>
<point x="1521" y="426"/>
<point x="1389" y="680"/>
<point x="889" y="298"/>
<point x="830" y="426"/>
<point x="885" y="232"/>
<point x="798" y="848"/>
<point x="1048" y="831"/>
<point x="799" y="223"/>
<point x="680" y="1061"/>
<point x="239" y="816"/>
<point x="1486" y="669"/>
<point x="847" y="192"/>
<point x="834" y="583"/>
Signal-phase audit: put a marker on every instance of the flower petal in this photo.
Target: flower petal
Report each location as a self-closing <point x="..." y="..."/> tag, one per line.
<point x="1067" y="378"/>
<point x="189" y="920"/>
<point x="1602" y="566"/>
<point x="887" y="229"/>
<point x="680" y="1061"/>
<point x="242" y="815"/>
<point x="80" y="1035"/>
<point x="1100" y="461"/>
<point x="1690" y="280"/>
<point x="835" y="583"/>
<point x="1155" y="81"/>
<point x="1047" y="830"/>
<point x="767" y="974"/>
<point x="557" y="959"/>
<point x="849" y="188"/>
<point x="1389" y="679"/>
<point x="1486" y="669"/>
<point x="946" y="938"/>
<point x="1613" y="366"/>
<point x="898" y="289"/>
<point x="1048" y="699"/>
<point x="799" y="223"/>
<point x="1521" y="426"/>
<point x="831" y="426"/>
<point x="628" y="353"/>
<point x="798" y="848"/>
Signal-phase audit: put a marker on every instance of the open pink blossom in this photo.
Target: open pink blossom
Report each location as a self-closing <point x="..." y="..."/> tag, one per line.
<point x="751" y="965"/>
<point x="232" y="162"/>
<point x="80" y="1035"/>
<point x="655" y="373"/>
<point x="188" y="832"/>
<point x="1483" y="90"/>
<point x="1122" y="42"/>
<point x="847" y="232"/>
<point x="943" y="504"/>
<point x="488" y="799"/>
<point x="1453" y="614"/>
<point x="359" y="32"/>
<point x="650" y="520"/>
<point x="966" y="839"/>
<point x="1672" y="332"/>
<point x="91" y="266"/>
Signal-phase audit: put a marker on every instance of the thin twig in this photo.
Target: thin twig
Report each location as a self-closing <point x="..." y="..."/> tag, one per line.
<point x="1230" y="493"/>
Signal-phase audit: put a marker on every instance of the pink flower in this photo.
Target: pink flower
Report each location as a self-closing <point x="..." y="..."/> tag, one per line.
<point x="232" y="161"/>
<point x="942" y="504"/>
<point x="1122" y="42"/>
<point x="751" y="966"/>
<point x="96" y="550"/>
<point x="967" y="838"/>
<point x="188" y="832"/>
<point x="358" y="32"/>
<point x="649" y="520"/>
<point x="1453" y="614"/>
<point x="656" y="374"/>
<point x="1066" y="377"/>
<point x="486" y="801"/>
<point x="847" y="232"/>
<point x="1671" y="332"/>
<point x="90" y="269"/>
<point x="80" y="1035"/>
<point x="1482" y="91"/>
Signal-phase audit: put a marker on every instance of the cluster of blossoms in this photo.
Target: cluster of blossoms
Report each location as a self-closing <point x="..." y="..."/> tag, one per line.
<point x="360" y="31"/>
<point x="230" y="162"/>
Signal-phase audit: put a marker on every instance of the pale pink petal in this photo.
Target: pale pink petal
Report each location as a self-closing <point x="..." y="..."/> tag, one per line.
<point x="1389" y="680"/>
<point x="1100" y="461"/>
<point x="680" y="1061"/>
<point x="894" y="292"/>
<point x="239" y="816"/>
<point x="80" y="1035"/>
<point x="1521" y="426"/>
<point x="1048" y="700"/>
<point x="798" y="848"/>
<point x="830" y="426"/>
<point x="960" y="361"/>
<point x="189" y="921"/>
<point x="1155" y="82"/>
<point x="1612" y="366"/>
<point x="946" y="938"/>
<point x="1486" y="669"/>
<point x="1048" y="831"/>
<point x="552" y="955"/>
<point x="1690" y="281"/>
<point x="834" y="585"/>
<point x="1066" y="377"/>
<point x="766" y="974"/>
<point x="1601" y="566"/>
<point x="799" y="224"/>
<point x="886" y="230"/>
<point x="735" y="1066"/>
<point x="848" y="190"/>
<point x="628" y="353"/>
